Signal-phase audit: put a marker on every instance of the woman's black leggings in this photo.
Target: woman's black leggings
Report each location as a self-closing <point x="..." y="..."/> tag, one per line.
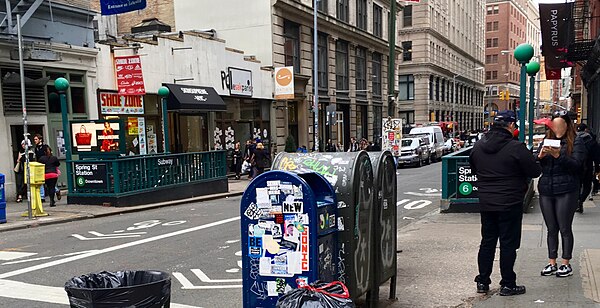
<point x="558" y="212"/>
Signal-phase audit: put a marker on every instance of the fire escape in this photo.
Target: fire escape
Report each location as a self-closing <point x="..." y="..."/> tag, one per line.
<point x="12" y="8"/>
<point x="584" y="49"/>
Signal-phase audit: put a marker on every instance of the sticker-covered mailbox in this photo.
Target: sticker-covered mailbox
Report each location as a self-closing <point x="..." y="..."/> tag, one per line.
<point x="289" y="232"/>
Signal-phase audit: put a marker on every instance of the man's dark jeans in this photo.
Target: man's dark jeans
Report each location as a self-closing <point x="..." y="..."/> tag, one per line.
<point x="506" y="226"/>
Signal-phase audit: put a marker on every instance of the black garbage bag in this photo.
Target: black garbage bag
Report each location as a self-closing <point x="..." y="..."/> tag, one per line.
<point x="149" y="289"/>
<point x="317" y="295"/>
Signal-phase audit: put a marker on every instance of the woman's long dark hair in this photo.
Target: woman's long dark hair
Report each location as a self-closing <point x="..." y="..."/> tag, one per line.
<point x="569" y="134"/>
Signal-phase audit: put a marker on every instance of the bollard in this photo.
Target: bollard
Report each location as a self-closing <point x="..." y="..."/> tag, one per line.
<point x="2" y="200"/>
<point x="351" y="175"/>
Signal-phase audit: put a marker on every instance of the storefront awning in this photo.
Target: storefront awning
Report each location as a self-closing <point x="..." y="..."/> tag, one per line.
<point x="194" y="98"/>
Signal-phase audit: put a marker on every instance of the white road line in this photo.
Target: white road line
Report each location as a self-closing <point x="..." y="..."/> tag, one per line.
<point x="423" y="194"/>
<point x="46" y="258"/>
<point x="122" y="234"/>
<point x="12" y="255"/>
<point x="200" y="274"/>
<point x="83" y="238"/>
<point x="46" y="294"/>
<point x="114" y="248"/>
<point x="183" y="280"/>
<point x="233" y="286"/>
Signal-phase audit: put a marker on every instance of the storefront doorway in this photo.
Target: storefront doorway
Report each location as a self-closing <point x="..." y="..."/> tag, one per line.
<point x="16" y="135"/>
<point x="188" y="132"/>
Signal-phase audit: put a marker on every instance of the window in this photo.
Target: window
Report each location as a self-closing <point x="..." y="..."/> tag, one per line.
<point x="488" y="26"/>
<point x="443" y="90"/>
<point x="488" y="75"/>
<point x="407" y="87"/>
<point x="361" y="71"/>
<point x="76" y="93"/>
<point x="323" y="60"/>
<point x="361" y="14"/>
<point x="437" y="89"/>
<point x="407" y="16"/>
<point x="377" y="122"/>
<point x="376" y="74"/>
<point x="493" y="10"/>
<point x="341" y="66"/>
<point x="407" y="51"/>
<point x="496" y="9"/>
<point x="377" y="20"/>
<point x="322" y="6"/>
<point x="491" y="42"/>
<point x="494" y="74"/>
<point x="431" y="87"/>
<point x="291" y="45"/>
<point x="343" y="10"/>
<point x="495" y="25"/>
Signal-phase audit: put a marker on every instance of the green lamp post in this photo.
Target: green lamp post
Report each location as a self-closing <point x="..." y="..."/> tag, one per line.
<point x="61" y="85"/>
<point x="532" y="69"/>
<point x="163" y="92"/>
<point x="523" y="54"/>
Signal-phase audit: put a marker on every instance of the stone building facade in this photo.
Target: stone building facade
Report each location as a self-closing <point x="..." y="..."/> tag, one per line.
<point x="442" y="41"/>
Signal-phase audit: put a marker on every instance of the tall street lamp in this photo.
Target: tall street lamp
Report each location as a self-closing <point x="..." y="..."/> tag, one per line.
<point x="163" y="92"/>
<point x="61" y="85"/>
<point x="523" y="54"/>
<point x="454" y="96"/>
<point x="532" y="69"/>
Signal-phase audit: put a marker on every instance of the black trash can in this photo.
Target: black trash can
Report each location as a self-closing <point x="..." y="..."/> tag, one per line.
<point x="147" y="289"/>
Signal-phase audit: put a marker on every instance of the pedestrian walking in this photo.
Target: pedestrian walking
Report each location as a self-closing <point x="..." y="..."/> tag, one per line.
<point x="20" y="170"/>
<point x="248" y="152"/>
<point x="502" y="166"/>
<point x="587" y="172"/>
<point x="236" y="161"/>
<point x="559" y="190"/>
<point x="260" y="159"/>
<point x="51" y="164"/>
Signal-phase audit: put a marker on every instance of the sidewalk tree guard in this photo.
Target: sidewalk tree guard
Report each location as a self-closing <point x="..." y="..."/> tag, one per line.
<point x="532" y="69"/>
<point x="61" y="84"/>
<point x="163" y="92"/>
<point x="523" y="54"/>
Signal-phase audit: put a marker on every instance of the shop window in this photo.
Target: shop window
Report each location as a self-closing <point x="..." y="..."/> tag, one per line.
<point x="77" y="100"/>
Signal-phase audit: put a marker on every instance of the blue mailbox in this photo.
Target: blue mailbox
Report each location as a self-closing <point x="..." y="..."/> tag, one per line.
<point x="2" y="200"/>
<point x="289" y="232"/>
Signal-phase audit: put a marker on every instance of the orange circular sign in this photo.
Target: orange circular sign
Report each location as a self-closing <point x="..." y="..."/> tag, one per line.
<point x="283" y="77"/>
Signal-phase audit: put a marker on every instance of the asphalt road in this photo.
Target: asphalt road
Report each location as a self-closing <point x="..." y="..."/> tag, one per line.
<point x="198" y="244"/>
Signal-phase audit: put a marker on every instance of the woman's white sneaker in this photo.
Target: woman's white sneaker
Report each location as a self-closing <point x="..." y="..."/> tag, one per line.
<point x="564" y="270"/>
<point x="549" y="270"/>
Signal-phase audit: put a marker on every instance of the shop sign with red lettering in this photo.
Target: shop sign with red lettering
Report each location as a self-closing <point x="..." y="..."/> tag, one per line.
<point x="130" y="80"/>
<point x="113" y="103"/>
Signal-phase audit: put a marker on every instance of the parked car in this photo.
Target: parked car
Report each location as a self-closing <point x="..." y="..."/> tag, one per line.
<point x="450" y="146"/>
<point x="436" y="140"/>
<point x="414" y="151"/>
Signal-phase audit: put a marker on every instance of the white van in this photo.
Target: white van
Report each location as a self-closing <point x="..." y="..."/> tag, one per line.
<point x="436" y="140"/>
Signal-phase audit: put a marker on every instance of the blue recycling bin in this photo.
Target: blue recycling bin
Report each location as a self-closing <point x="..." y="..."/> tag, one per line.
<point x="289" y="232"/>
<point x="2" y="200"/>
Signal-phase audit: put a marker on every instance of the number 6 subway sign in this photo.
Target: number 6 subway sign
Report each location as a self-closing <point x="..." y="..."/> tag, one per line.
<point x="466" y="182"/>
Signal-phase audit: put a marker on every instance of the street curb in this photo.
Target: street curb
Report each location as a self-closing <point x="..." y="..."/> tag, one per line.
<point x="35" y="224"/>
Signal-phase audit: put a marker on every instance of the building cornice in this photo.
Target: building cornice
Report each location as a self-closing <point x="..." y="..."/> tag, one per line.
<point x="63" y="48"/>
<point x="431" y="31"/>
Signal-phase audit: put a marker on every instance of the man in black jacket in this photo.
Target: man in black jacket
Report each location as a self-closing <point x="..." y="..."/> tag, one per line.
<point x="503" y="167"/>
<point x="591" y="156"/>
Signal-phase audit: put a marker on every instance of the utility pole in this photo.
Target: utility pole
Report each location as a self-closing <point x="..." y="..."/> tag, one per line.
<point x="316" y="75"/>
<point x="24" y="107"/>
<point x="392" y="60"/>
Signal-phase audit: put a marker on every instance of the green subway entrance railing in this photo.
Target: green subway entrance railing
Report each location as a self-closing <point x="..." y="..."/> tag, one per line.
<point x="135" y="174"/>
<point x="459" y="185"/>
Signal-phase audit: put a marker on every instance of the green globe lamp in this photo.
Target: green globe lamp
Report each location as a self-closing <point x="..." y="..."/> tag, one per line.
<point x="532" y="69"/>
<point x="523" y="54"/>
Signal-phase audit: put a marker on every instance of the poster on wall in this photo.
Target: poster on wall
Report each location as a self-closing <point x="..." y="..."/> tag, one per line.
<point x="130" y="80"/>
<point x="240" y="82"/>
<point x="142" y="135"/>
<point x="61" y="149"/>
<point x="101" y="136"/>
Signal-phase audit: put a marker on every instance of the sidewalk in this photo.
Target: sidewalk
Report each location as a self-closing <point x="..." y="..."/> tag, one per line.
<point x="438" y="263"/>
<point x="64" y="213"/>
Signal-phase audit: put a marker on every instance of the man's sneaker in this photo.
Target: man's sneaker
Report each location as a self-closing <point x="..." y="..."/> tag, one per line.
<point x="549" y="270"/>
<point x="482" y="287"/>
<point x="510" y="291"/>
<point x="564" y="270"/>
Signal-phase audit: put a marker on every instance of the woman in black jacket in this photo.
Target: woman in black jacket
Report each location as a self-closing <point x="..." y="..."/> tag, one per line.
<point x="559" y="190"/>
<point x="260" y="159"/>
<point x="236" y="162"/>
